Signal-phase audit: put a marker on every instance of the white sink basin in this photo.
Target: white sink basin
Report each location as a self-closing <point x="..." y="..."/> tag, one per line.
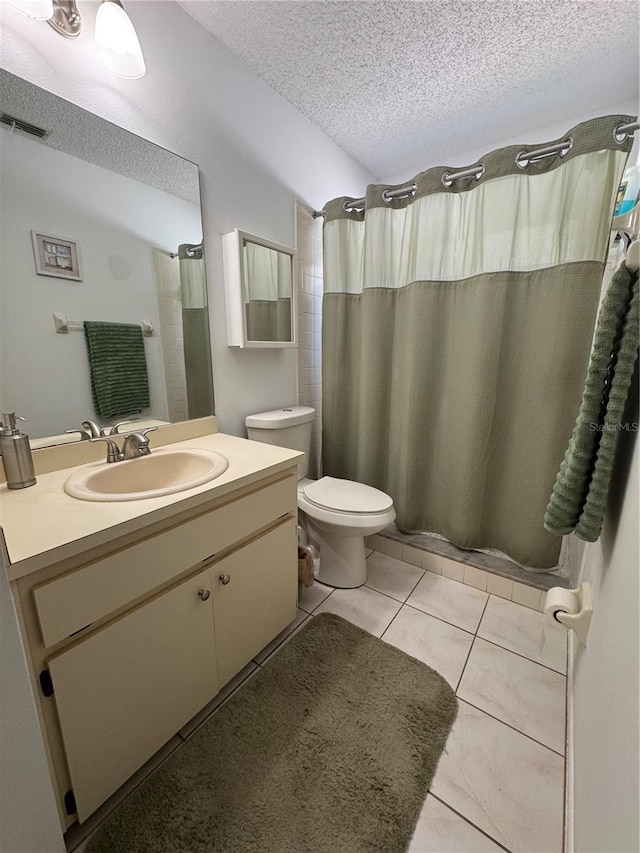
<point x="162" y="473"/>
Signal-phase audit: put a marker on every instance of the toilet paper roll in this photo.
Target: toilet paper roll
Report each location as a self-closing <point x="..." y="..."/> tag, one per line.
<point x="560" y="600"/>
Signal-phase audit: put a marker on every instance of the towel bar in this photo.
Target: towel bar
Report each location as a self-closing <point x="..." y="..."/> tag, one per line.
<point x="64" y="325"/>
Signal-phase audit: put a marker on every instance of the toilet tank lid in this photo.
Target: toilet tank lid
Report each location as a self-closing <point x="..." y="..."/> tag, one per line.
<point x="281" y="418"/>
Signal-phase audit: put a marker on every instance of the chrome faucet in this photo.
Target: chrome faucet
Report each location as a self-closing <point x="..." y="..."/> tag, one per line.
<point x="115" y="429"/>
<point x="94" y="429"/>
<point x="90" y="429"/>
<point x="136" y="444"/>
<point x="113" y="451"/>
<point x="84" y="435"/>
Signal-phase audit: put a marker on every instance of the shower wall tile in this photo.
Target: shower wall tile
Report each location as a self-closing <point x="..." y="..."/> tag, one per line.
<point x="502" y="587"/>
<point x="526" y="595"/>
<point x="393" y="548"/>
<point x="412" y="555"/>
<point x="475" y="577"/>
<point x="376" y="542"/>
<point x="509" y="590"/>
<point x="431" y="562"/>
<point x="452" y="569"/>
<point x="309" y="286"/>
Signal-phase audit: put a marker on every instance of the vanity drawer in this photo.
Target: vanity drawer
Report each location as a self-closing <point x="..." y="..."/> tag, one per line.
<point x="72" y="602"/>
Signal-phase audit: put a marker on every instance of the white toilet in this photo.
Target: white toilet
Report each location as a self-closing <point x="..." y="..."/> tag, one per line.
<point x="337" y="514"/>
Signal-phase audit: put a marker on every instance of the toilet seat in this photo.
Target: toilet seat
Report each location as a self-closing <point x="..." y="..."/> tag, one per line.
<point x="346" y="496"/>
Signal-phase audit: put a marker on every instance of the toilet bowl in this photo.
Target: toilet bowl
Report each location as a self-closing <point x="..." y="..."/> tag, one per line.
<point x="336" y="514"/>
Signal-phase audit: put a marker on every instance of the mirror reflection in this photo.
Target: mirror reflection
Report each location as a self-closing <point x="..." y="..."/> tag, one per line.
<point x="267" y="292"/>
<point x="103" y="295"/>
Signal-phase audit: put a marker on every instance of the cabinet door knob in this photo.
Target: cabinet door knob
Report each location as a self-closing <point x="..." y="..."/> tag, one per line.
<point x="203" y="594"/>
<point x="224" y="579"/>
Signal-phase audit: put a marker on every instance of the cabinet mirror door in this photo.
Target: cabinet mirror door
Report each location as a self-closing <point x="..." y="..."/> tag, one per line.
<point x="261" y="299"/>
<point x="267" y="293"/>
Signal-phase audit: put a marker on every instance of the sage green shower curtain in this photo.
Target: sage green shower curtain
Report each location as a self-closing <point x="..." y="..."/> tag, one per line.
<point x="195" y="331"/>
<point x="457" y="326"/>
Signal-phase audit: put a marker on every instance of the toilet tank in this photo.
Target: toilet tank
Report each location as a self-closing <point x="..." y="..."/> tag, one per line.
<point x="290" y="427"/>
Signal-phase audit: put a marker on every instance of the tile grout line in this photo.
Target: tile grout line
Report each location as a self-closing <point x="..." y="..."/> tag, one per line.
<point x="311" y="612"/>
<point x="402" y="601"/>
<point x="520" y="655"/>
<point x="391" y="623"/>
<point x="440" y="619"/>
<point x="467" y="820"/>
<point x="464" y="666"/>
<point x="473" y="642"/>
<point x="509" y="726"/>
<point x="556" y="572"/>
<point x="463" y="582"/>
<point x="452" y="624"/>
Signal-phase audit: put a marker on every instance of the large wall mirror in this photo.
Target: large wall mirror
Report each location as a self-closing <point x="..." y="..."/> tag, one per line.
<point x="103" y="296"/>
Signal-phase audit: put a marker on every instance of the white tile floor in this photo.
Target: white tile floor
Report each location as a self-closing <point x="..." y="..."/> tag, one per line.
<point x="500" y="781"/>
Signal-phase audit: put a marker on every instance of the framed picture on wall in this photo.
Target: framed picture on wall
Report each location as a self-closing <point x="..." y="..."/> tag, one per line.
<point x="56" y="256"/>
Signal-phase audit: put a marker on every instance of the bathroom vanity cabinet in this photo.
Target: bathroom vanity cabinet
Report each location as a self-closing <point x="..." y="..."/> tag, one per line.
<point x="129" y="640"/>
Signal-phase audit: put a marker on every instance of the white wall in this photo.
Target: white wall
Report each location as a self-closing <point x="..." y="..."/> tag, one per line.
<point x="309" y="272"/>
<point x="116" y="221"/>
<point x="466" y="154"/>
<point x="256" y="154"/>
<point x="606" y="710"/>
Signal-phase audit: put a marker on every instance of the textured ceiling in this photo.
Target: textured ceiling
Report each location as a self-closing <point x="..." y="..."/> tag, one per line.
<point x="399" y="84"/>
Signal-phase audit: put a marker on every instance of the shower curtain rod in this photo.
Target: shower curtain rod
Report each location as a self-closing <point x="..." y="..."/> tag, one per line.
<point x="523" y="158"/>
<point x="191" y="251"/>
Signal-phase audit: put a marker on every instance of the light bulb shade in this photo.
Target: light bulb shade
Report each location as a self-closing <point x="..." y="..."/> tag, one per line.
<point x="40" y="10"/>
<point x="117" y="42"/>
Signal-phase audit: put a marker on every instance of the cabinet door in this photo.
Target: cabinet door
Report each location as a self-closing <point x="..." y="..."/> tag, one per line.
<point x="126" y="690"/>
<point x="255" y="596"/>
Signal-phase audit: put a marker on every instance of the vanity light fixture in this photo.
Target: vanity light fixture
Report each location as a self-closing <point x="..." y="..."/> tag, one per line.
<point x="117" y="42"/>
<point x="66" y="20"/>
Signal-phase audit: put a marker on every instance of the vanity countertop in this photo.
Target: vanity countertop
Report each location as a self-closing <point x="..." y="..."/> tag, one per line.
<point x="42" y="524"/>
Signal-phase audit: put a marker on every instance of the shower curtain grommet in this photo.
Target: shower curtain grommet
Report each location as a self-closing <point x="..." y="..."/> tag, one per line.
<point x="566" y="150"/>
<point x="620" y="138"/>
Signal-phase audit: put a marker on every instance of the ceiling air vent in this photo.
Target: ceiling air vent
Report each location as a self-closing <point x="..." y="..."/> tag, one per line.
<point x="18" y="124"/>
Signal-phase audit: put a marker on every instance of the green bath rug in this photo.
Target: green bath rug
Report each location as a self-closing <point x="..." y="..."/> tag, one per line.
<point x="331" y="748"/>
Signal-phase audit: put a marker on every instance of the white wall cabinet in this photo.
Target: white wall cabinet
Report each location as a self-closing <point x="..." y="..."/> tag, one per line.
<point x="129" y="645"/>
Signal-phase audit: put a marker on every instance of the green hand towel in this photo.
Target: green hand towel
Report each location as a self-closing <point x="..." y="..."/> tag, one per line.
<point x="118" y="367"/>
<point x="579" y="495"/>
